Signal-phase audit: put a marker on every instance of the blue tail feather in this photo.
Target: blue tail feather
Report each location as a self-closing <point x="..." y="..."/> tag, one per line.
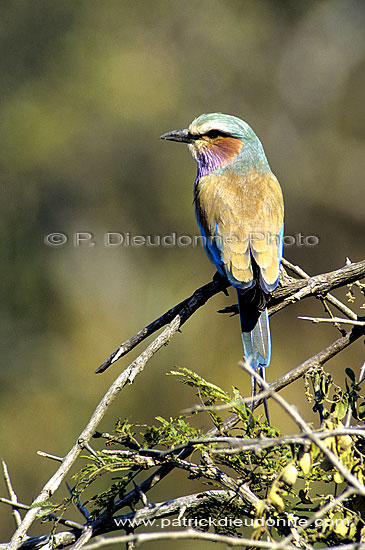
<point x="255" y="331"/>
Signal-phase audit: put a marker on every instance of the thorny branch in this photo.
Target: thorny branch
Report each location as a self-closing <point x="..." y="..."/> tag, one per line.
<point x="286" y="293"/>
<point x="312" y="436"/>
<point x="329" y="297"/>
<point x="127" y="376"/>
<point x="188" y="534"/>
<point x="289" y="291"/>
<point x="232" y="444"/>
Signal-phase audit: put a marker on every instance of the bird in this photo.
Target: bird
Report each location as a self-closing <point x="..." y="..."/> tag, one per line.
<point x="239" y="208"/>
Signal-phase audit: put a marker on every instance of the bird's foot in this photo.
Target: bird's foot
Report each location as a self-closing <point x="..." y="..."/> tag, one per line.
<point x="218" y="278"/>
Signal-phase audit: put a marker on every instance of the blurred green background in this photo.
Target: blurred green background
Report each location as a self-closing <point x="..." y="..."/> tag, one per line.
<point x="87" y="88"/>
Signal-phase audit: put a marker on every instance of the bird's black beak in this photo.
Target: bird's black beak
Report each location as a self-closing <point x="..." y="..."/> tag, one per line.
<point x="179" y="135"/>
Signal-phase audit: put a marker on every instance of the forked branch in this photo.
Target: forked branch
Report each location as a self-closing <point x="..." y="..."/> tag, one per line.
<point x="290" y="290"/>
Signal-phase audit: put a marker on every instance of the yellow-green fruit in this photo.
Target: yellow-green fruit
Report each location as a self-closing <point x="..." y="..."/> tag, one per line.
<point x="337" y="478"/>
<point x="343" y="443"/>
<point x="305" y="462"/>
<point x="289" y="475"/>
<point x="276" y="500"/>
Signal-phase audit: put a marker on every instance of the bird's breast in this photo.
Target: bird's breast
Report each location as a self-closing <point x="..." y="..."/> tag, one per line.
<point x="252" y="196"/>
<point x="215" y="154"/>
<point x="245" y="213"/>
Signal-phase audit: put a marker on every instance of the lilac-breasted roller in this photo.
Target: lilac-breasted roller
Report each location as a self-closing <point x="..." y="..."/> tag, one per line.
<point x="240" y="212"/>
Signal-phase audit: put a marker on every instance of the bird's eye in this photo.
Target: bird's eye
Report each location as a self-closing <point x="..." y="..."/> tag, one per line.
<point x="213" y="134"/>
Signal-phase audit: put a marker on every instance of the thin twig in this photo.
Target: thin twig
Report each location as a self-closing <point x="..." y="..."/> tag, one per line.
<point x="52" y="457"/>
<point x="12" y="494"/>
<point x="334" y="320"/>
<point x="66" y="522"/>
<point x="87" y="446"/>
<point x="227" y="406"/>
<point x="191" y="304"/>
<point x="349" y="491"/>
<point x="320" y="284"/>
<point x="238" y="445"/>
<point x="127" y="376"/>
<point x="77" y="502"/>
<point x="330" y="314"/>
<point x="319" y="359"/>
<point x="282" y="297"/>
<point x="17" y="505"/>
<point x="83" y="539"/>
<point x="152" y="457"/>
<point x="293" y="413"/>
<point x="186" y="534"/>
<point x="329" y="297"/>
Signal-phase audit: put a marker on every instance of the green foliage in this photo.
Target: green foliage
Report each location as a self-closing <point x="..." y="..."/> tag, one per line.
<point x="341" y="401"/>
<point x="210" y="394"/>
<point x="87" y="88"/>
<point x="290" y="480"/>
<point x="170" y="433"/>
<point x="125" y="435"/>
<point x="217" y="511"/>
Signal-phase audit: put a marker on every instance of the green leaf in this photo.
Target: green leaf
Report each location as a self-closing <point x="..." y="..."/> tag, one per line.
<point x="341" y="409"/>
<point x="350" y="373"/>
<point x="361" y="410"/>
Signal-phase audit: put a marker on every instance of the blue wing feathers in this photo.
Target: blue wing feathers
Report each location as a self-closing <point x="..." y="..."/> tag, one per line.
<point x="252" y="299"/>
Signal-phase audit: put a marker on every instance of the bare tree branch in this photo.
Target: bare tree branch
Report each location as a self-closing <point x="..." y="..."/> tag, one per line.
<point x="293" y="290"/>
<point x="50" y="456"/>
<point x="315" y="361"/>
<point x="84" y="538"/>
<point x="63" y="539"/>
<point x="184" y="309"/>
<point x="63" y="521"/>
<point x="329" y="297"/>
<point x="291" y="410"/>
<point x="186" y="534"/>
<point x="348" y="492"/>
<point x="127" y="376"/>
<point x="236" y="444"/>
<point x="174" y="506"/>
<point x="158" y="511"/>
<point x="12" y="494"/>
<point x="289" y="292"/>
<point x="334" y="320"/>
<point x="318" y="286"/>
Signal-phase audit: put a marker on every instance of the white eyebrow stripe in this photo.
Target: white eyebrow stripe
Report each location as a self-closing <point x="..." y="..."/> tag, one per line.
<point x="201" y="129"/>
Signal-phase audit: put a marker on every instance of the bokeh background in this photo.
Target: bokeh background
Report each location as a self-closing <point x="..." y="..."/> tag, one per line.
<point x="87" y="88"/>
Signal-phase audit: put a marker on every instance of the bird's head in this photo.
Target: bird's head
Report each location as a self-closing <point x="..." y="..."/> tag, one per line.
<point x="216" y="140"/>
